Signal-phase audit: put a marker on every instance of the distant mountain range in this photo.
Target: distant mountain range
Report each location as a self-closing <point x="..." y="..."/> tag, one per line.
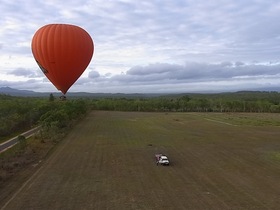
<point x="28" y="93"/>
<point x="15" y="92"/>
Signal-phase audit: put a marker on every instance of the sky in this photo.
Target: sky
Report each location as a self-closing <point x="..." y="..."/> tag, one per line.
<point x="151" y="46"/>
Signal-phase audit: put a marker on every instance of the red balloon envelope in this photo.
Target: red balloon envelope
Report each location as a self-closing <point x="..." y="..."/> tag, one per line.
<point x="63" y="52"/>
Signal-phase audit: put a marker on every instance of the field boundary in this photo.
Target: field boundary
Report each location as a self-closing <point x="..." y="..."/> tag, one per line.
<point x="13" y="141"/>
<point x="213" y="120"/>
<point x="218" y="121"/>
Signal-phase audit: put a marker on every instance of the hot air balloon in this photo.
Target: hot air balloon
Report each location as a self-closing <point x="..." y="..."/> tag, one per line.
<point x="62" y="52"/>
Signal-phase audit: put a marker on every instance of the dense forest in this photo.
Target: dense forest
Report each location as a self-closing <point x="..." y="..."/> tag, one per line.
<point x="18" y="114"/>
<point x="21" y="113"/>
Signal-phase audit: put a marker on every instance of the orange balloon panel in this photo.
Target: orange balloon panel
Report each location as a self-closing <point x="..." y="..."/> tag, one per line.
<point x="63" y="52"/>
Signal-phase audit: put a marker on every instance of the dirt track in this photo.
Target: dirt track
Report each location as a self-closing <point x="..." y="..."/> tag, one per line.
<point x="107" y="162"/>
<point x="13" y="141"/>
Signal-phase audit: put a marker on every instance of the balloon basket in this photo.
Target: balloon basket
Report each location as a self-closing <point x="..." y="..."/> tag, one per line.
<point x="63" y="98"/>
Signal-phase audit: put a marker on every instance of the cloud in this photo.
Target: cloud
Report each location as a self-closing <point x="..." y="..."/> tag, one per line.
<point x="31" y="84"/>
<point x="93" y="74"/>
<point x="157" y="68"/>
<point x="168" y="78"/>
<point x="166" y="45"/>
<point x="198" y="71"/>
<point x="24" y="73"/>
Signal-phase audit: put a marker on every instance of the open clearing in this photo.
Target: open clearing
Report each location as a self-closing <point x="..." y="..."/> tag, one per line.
<point x="107" y="162"/>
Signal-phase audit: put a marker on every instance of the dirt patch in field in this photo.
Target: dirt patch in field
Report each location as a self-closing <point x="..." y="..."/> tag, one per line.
<point x="107" y="162"/>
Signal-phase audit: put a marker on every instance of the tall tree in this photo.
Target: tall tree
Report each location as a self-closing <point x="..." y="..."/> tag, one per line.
<point x="51" y="98"/>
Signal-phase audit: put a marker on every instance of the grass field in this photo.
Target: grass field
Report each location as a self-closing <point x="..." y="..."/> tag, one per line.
<point x="218" y="161"/>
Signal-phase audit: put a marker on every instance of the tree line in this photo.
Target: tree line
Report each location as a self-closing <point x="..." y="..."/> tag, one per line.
<point x="227" y="102"/>
<point x="55" y="116"/>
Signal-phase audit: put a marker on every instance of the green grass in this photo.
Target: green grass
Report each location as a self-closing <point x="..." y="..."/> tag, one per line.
<point x="107" y="162"/>
<point x="252" y="119"/>
<point x="274" y="156"/>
